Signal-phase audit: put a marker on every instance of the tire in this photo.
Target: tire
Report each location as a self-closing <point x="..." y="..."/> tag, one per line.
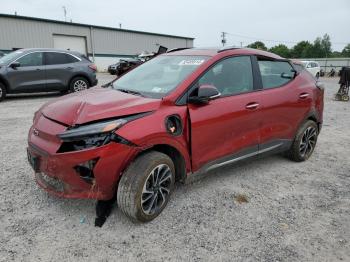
<point x="304" y="142"/>
<point x="79" y="84"/>
<point x="138" y="196"/>
<point x="2" y="92"/>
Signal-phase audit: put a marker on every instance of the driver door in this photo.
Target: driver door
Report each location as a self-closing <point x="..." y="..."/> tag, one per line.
<point x="30" y="75"/>
<point x="226" y="128"/>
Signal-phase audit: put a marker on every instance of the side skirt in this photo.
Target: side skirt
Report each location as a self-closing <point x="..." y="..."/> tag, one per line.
<point x="265" y="149"/>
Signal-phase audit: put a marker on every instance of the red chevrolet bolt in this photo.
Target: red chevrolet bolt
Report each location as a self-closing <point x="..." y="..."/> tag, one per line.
<point x="178" y="115"/>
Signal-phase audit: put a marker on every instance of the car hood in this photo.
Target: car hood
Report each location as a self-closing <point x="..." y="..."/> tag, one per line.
<point x="96" y="104"/>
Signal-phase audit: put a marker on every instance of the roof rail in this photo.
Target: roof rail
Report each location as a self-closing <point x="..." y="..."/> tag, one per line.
<point x="228" y="48"/>
<point x="178" y="49"/>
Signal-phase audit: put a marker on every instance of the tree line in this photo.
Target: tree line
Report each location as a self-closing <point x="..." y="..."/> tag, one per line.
<point x="320" y="48"/>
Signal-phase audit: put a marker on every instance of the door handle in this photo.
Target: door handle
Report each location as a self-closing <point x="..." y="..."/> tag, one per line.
<point x="252" y="106"/>
<point x="69" y="68"/>
<point x="303" y="95"/>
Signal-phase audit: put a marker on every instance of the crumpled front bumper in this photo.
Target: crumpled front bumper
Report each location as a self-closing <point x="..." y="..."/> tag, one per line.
<point x="57" y="173"/>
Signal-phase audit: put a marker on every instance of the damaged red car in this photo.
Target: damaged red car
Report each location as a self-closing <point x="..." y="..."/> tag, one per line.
<point x="175" y="117"/>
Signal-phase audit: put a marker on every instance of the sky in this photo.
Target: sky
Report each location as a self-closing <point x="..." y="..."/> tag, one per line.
<point x="245" y="21"/>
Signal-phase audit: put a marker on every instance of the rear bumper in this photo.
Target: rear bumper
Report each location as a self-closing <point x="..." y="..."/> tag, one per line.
<point x="94" y="82"/>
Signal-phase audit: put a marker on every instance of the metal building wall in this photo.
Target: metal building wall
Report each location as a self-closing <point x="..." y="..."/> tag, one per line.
<point x="20" y="33"/>
<point x="104" y="45"/>
<point x="119" y="42"/>
<point x="25" y="33"/>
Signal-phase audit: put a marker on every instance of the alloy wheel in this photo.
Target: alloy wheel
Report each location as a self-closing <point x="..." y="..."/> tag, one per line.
<point x="156" y="189"/>
<point x="308" y="141"/>
<point x="79" y="85"/>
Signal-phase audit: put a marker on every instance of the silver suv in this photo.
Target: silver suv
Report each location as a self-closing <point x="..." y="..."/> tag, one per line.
<point x="45" y="70"/>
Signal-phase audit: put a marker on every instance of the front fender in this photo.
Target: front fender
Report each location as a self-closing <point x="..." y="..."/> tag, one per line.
<point x="150" y="131"/>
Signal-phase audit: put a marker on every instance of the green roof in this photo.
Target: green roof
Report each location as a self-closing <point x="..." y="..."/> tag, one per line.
<point x="87" y="25"/>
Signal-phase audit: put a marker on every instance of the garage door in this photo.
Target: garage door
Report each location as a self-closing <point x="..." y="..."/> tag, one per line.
<point x="73" y="43"/>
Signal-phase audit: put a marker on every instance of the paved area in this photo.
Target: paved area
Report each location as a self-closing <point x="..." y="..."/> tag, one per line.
<point x="293" y="211"/>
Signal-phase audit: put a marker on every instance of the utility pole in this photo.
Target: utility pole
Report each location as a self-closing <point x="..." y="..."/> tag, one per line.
<point x="223" y="40"/>
<point x="65" y="13"/>
<point x="241" y="44"/>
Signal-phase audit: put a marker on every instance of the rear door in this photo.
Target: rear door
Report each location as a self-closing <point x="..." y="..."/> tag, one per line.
<point x="30" y="75"/>
<point x="60" y="68"/>
<point x="285" y="101"/>
<point x="228" y="126"/>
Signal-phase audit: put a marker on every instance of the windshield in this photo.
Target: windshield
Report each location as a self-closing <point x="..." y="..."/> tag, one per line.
<point x="159" y="76"/>
<point x="9" y="57"/>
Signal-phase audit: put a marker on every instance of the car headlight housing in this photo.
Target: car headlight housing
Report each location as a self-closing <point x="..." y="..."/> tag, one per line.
<point x="96" y="134"/>
<point x="91" y="135"/>
<point x="91" y="130"/>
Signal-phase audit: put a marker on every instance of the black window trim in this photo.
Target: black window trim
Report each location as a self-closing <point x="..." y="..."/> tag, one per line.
<point x="276" y="60"/>
<point x="257" y="84"/>
<point x="44" y="56"/>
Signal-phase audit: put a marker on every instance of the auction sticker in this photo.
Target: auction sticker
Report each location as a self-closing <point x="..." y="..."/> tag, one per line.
<point x="191" y="62"/>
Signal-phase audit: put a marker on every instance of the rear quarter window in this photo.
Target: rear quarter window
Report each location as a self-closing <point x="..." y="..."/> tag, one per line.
<point x="53" y="58"/>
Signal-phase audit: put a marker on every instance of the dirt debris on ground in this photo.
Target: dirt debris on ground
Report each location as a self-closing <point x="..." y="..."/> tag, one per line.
<point x="294" y="211"/>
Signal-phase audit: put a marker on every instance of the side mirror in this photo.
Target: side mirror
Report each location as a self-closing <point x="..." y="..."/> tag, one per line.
<point x="205" y="94"/>
<point x="14" y="65"/>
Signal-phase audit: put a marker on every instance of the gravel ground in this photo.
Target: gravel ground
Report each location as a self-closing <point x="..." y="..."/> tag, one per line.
<point x="293" y="212"/>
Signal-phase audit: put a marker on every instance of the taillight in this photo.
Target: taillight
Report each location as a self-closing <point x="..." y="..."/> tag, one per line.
<point x="93" y="67"/>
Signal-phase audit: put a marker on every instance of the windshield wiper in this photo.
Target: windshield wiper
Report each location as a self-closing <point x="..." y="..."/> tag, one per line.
<point x="128" y="91"/>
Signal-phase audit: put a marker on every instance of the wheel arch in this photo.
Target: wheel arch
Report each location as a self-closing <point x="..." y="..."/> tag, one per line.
<point x="175" y="155"/>
<point x="5" y="83"/>
<point x="314" y="117"/>
<point x="80" y="75"/>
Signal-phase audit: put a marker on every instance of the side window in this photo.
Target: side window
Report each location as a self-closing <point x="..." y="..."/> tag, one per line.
<point x="59" y="58"/>
<point x="33" y="59"/>
<point x="275" y="73"/>
<point x="230" y="76"/>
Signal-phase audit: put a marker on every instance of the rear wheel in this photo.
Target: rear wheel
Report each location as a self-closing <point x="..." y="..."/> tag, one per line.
<point x="2" y="92"/>
<point x="304" y="142"/>
<point x="79" y="84"/>
<point x="145" y="187"/>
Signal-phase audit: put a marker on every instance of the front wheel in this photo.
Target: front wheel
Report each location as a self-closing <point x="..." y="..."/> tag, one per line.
<point x="79" y="84"/>
<point x="146" y="185"/>
<point x="304" y="142"/>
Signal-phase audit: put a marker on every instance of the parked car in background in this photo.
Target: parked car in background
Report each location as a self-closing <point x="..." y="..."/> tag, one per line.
<point x="177" y="116"/>
<point x="45" y="70"/>
<point x="123" y="66"/>
<point x="313" y="67"/>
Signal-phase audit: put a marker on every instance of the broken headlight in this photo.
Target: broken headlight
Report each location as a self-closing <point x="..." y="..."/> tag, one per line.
<point x="92" y="135"/>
